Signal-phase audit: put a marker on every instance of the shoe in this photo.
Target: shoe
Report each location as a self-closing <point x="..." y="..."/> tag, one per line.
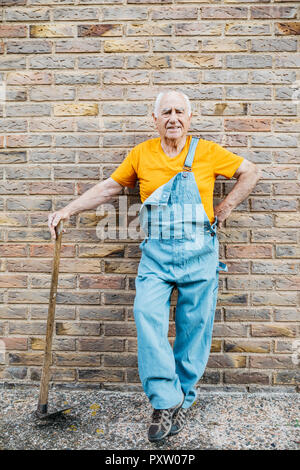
<point x="178" y="421"/>
<point x="162" y="422"/>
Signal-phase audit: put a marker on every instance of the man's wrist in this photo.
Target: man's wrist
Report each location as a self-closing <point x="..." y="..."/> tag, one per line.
<point x="227" y="205"/>
<point x="69" y="212"/>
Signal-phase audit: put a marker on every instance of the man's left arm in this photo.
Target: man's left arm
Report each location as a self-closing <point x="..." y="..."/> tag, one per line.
<point x="247" y="176"/>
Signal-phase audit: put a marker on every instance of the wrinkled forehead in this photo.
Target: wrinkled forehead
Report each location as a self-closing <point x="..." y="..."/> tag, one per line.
<point x="172" y="100"/>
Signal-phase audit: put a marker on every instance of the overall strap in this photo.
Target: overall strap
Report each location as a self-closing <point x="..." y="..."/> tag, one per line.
<point x="191" y="153"/>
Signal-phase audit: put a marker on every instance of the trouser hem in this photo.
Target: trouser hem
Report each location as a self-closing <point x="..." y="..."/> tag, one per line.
<point x="164" y="407"/>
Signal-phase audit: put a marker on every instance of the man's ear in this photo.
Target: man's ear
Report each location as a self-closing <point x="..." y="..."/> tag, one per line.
<point x="154" y="119"/>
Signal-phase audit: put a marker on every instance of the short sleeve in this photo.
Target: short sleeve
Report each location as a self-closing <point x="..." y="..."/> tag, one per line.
<point x="224" y="162"/>
<point x="125" y="174"/>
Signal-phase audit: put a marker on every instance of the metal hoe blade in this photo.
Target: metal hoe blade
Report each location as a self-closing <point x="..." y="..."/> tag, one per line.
<point x="42" y="412"/>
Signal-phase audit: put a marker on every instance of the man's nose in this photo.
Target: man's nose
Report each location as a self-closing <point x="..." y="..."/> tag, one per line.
<point x="173" y="116"/>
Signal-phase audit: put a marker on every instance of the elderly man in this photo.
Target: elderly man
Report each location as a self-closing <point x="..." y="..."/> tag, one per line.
<point x="176" y="174"/>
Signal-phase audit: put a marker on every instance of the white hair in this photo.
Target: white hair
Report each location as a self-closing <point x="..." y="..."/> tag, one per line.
<point x="163" y="93"/>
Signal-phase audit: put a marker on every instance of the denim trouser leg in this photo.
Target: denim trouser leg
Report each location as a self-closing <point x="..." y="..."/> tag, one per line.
<point x="155" y="355"/>
<point x="194" y="323"/>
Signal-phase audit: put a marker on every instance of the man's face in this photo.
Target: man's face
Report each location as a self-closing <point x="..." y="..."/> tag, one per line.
<point x="172" y="119"/>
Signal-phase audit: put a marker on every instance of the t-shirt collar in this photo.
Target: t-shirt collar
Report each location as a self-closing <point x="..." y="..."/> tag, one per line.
<point x="160" y="150"/>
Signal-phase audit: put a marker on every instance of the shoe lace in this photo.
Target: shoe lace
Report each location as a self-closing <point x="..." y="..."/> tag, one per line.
<point x="180" y="414"/>
<point x="156" y="416"/>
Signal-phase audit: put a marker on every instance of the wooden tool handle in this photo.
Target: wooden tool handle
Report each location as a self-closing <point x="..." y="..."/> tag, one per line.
<point x="44" y="388"/>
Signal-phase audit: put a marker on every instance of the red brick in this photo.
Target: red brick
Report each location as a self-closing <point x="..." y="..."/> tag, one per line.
<point x="12" y="250"/>
<point x="247" y="125"/>
<point x="12" y="343"/>
<point x="271" y="362"/>
<point x="13" y="280"/>
<point x="47" y="251"/>
<point x="101" y="344"/>
<point x="249" y="251"/>
<point x="13" y="31"/>
<point x="48" y="187"/>
<point x="251" y="377"/>
<point x="101" y="281"/>
<point x="29" y="78"/>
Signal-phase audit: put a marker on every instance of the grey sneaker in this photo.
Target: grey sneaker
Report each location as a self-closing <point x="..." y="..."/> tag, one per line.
<point x="162" y="422"/>
<point x="178" y="421"/>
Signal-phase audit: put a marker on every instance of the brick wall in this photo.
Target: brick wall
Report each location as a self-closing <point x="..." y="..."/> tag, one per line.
<point x="80" y="79"/>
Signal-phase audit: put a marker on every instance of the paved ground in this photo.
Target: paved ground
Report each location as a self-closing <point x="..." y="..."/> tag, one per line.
<point x="119" y="420"/>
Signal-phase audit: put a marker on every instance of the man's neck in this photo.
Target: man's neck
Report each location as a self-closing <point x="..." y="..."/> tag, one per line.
<point x="173" y="147"/>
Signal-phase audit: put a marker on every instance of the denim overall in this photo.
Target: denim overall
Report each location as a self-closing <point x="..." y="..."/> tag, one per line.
<point x="181" y="250"/>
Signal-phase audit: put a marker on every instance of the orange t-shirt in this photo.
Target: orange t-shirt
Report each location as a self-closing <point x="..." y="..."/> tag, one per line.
<point x="148" y="163"/>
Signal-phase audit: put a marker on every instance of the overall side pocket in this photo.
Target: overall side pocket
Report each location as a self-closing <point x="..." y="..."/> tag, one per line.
<point x="141" y="245"/>
<point x="222" y="267"/>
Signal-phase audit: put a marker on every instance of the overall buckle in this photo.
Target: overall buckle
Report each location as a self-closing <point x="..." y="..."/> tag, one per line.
<point x="187" y="168"/>
<point x="214" y="227"/>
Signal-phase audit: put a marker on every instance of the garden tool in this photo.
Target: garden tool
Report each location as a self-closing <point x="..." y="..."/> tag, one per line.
<point x="42" y="409"/>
